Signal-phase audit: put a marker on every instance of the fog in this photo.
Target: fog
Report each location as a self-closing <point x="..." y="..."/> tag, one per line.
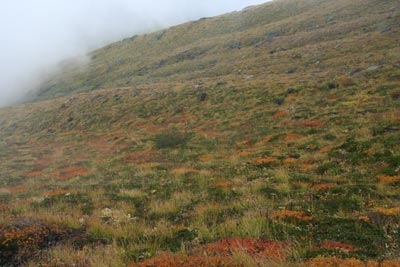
<point x="36" y="35"/>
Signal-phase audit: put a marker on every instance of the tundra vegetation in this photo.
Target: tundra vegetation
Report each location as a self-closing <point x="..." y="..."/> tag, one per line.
<point x="266" y="137"/>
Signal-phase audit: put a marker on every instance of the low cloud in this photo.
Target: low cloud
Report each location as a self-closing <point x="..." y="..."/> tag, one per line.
<point x="36" y="35"/>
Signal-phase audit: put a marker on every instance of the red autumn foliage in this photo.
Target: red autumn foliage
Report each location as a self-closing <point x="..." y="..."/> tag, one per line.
<point x="22" y="239"/>
<point x="261" y="161"/>
<point x="270" y="249"/>
<point x="71" y="172"/>
<point x="55" y="192"/>
<point x="220" y="254"/>
<point x="290" y="161"/>
<point x="291" y="137"/>
<point x="168" y="260"/>
<point x="326" y="149"/>
<point x="279" y="114"/>
<point x="323" y="187"/>
<point x="312" y="124"/>
<point x="15" y="189"/>
<point x="338" y="262"/>
<point x="34" y="173"/>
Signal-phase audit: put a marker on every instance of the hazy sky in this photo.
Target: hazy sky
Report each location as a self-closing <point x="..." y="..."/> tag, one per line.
<point x="37" y="34"/>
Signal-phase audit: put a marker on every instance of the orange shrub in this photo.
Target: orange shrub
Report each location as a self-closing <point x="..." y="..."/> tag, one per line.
<point x="71" y="172"/>
<point x="168" y="260"/>
<point x="312" y="124"/>
<point x="21" y="240"/>
<point x="252" y="246"/>
<point x="34" y="174"/>
<point x="334" y="262"/>
<point x="291" y="137"/>
<point x="323" y="187"/>
<point x="306" y="167"/>
<point x="337" y="262"/>
<point x="290" y="161"/>
<point x="326" y="149"/>
<point x="279" y="114"/>
<point x="184" y="170"/>
<point x="300" y="184"/>
<point x="55" y="192"/>
<point x="389" y="211"/>
<point x="386" y="179"/>
<point x="15" y="189"/>
<point x="267" y="160"/>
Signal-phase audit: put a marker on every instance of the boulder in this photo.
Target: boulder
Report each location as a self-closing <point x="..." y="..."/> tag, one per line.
<point x="202" y="97"/>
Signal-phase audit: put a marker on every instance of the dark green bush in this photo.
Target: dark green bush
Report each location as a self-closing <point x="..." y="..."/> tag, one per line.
<point x="171" y="139"/>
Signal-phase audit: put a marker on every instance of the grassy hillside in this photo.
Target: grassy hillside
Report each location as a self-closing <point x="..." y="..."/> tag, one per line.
<point x="313" y="39"/>
<point x="266" y="137"/>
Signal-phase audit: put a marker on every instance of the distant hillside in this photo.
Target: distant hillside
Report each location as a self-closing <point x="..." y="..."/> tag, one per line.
<point x="313" y="39"/>
<point x="266" y="137"/>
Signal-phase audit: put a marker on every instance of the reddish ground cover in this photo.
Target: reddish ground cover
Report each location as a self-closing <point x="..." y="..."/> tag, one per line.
<point x="332" y="245"/>
<point x="70" y="172"/>
<point x="270" y="249"/>
<point x="168" y="260"/>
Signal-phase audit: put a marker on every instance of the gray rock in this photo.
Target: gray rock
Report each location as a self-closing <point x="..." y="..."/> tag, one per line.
<point x="372" y="68"/>
<point x="386" y="29"/>
<point x="202" y="97"/>
<point x="330" y="19"/>
<point x="272" y="35"/>
<point x="356" y="72"/>
<point x="234" y="44"/>
<point x="290" y="91"/>
<point x="291" y="70"/>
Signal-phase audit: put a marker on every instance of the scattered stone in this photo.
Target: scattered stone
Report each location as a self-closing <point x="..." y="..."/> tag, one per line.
<point x="202" y="97"/>
<point x="386" y="29"/>
<point x="272" y="35"/>
<point x="290" y="70"/>
<point x="295" y="156"/>
<point x="279" y="101"/>
<point x="249" y="77"/>
<point x="372" y="68"/>
<point x="356" y="72"/>
<point x="70" y="118"/>
<point x="257" y="41"/>
<point x="68" y="101"/>
<point x="234" y="44"/>
<point x="297" y="56"/>
<point x="290" y="91"/>
<point x="330" y="20"/>
<point x="112" y="139"/>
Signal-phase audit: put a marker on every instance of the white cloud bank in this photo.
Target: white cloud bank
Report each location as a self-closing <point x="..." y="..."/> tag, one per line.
<point x="37" y="34"/>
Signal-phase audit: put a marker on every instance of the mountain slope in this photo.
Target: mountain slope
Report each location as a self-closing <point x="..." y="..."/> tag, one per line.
<point x="178" y="147"/>
<point x="313" y="37"/>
